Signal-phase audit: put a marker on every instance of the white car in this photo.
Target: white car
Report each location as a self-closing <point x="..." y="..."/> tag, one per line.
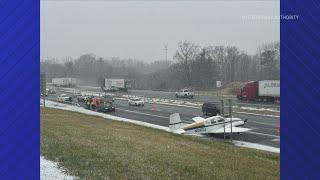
<point x="184" y="93"/>
<point x="77" y="93"/>
<point x="136" y="101"/>
<point x="64" y="98"/>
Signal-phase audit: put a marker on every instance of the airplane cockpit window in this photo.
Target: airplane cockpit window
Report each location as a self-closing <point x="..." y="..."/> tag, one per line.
<point x="213" y="121"/>
<point x="220" y="119"/>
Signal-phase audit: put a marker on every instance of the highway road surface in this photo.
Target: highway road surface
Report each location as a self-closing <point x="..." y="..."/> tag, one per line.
<point x="197" y="98"/>
<point x="264" y="129"/>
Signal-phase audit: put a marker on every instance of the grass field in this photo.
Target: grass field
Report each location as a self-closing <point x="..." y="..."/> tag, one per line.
<point x="91" y="147"/>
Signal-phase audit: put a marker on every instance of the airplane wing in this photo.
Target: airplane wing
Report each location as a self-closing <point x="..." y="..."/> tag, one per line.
<point x="179" y="131"/>
<point x="234" y="130"/>
<point x="198" y="119"/>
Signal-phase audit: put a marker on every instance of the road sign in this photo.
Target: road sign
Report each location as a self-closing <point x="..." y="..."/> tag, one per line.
<point x="218" y="84"/>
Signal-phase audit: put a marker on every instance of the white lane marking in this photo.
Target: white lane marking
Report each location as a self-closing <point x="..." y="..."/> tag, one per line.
<point x="276" y="140"/>
<point x="262" y="134"/>
<point x="137" y="112"/>
<point x="270" y="129"/>
<point x="252" y="121"/>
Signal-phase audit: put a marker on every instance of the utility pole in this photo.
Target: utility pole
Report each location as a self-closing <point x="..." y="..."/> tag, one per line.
<point x="226" y="112"/>
<point x="230" y="111"/>
<point x="224" y="120"/>
<point x="43" y="87"/>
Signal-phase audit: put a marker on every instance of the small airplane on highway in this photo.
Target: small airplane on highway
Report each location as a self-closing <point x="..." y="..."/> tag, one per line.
<point x="212" y="125"/>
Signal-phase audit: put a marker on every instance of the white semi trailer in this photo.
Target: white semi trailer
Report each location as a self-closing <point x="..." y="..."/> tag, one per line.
<point x="269" y="88"/>
<point x="116" y="85"/>
<point x="64" y="82"/>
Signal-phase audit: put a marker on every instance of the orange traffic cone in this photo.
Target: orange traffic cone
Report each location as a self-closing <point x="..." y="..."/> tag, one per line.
<point x="153" y="108"/>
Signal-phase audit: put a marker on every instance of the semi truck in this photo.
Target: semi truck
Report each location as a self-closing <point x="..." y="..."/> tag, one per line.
<point x="263" y="91"/>
<point x="64" y="82"/>
<point x="116" y="85"/>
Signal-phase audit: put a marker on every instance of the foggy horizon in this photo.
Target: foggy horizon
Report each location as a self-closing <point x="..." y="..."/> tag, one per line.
<point x="139" y="30"/>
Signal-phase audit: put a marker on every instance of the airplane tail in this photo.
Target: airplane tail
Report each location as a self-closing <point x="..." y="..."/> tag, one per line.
<point x="175" y="121"/>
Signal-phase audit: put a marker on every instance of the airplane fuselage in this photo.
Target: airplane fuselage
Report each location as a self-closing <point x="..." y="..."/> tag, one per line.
<point x="211" y="126"/>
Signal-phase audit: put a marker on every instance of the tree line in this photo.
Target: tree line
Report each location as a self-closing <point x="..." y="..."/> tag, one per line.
<point x="192" y="66"/>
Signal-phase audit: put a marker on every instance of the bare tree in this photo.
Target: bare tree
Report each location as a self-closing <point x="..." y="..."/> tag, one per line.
<point x="69" y="68"/>
<point x="269" y="56"/>
<point x="218" y="55"/>
<point x="232" y="55"/>
<point x="186" y="53"/>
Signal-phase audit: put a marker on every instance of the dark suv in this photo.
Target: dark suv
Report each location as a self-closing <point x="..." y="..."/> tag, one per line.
<point x="210" y="108"/>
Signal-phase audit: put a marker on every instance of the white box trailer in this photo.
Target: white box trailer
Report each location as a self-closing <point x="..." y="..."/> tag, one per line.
<point x="118" y="83"/>
<point x="269" y="88"/>
<point x="64" y="82"/>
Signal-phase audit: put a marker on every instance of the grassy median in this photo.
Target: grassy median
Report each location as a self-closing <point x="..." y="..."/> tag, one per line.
<point x="91" y="147"/>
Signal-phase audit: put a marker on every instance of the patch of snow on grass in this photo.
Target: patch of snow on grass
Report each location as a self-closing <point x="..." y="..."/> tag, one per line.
<point x="256" y="146"/>
<point x="50" y="170"/>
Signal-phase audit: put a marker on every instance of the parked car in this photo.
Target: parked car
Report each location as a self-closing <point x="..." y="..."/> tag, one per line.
<point x="106" y="106"/>
<point x="64" y="98"/>
<point x="136" y="101"/>
<point x="113" y="89"/>
<point x="210" y="109"/>
<point x="184" y="93"/>
<point x="51" y="91"/>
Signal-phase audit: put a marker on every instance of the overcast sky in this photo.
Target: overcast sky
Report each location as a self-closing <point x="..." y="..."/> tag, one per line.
<point x="139" y="29"/>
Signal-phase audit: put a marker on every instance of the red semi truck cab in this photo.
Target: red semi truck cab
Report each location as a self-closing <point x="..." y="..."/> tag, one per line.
<point x="249" y="92"/>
